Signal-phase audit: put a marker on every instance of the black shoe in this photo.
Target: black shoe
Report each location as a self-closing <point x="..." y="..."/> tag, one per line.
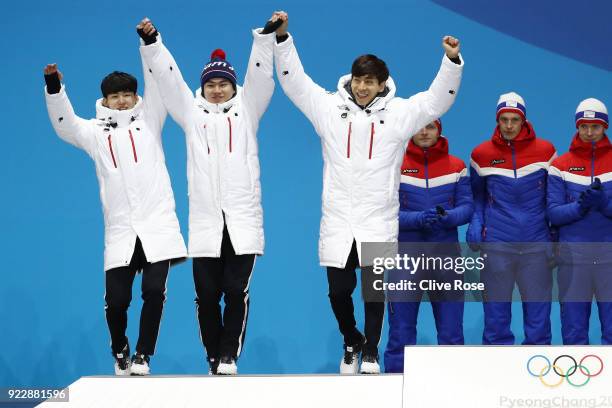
<point x="122" y="361"/>
<point x="140" y="364"/>
<point x="213" y="364"/>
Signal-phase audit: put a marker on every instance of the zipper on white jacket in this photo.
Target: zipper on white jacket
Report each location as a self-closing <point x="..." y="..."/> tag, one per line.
<point x="229" y="122"/>
<point x="371" y="140"/>
<point x="110" y="147"/>
<point x="348" y="142"/>
<point x="133" y="146"/>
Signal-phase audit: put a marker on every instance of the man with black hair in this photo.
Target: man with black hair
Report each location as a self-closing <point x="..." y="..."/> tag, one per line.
<point x="364" y="130"/>
<point x="225" y="213"/>
<point x="142" y="232"/>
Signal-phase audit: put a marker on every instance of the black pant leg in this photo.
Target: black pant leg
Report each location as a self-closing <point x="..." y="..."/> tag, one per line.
<point x="342" y="282"/>
<point x="374" y="316"/>
<point x="154" y="277"/>
<point x="237" y="273"/>
<point x="208" y="280"/>
<point x="118" y="295"/>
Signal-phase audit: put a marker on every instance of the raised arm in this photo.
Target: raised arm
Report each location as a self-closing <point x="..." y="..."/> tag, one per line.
<point x="176" y="95"/>
<point x="68" y="126"/>
<point x="422" y="108"/>
<point x="259" y="81"/>
<point x="309" y="97"/>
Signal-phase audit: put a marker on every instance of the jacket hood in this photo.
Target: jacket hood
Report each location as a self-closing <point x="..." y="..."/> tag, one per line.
<point x="120" y="118"/>
<point x="434" y="152"/>
<point x="526" y="134"/>
<point x="585" y="148"/>
<point x="202" y="103"/>
<point x="378" y="103"/>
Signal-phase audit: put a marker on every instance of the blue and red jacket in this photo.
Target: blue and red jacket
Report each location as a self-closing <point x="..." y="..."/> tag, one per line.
<point x="570" y="175"/>
<point x="508" y="180"/>
<point x="431" y="177"/>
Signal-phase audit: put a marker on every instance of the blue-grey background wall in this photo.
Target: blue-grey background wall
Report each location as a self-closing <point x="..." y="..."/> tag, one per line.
<point x="52" y="327"/>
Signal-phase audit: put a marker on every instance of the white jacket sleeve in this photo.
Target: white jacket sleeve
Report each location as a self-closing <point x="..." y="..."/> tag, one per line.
<point x="425" y="107"/>
<point x="309" y="97"/>
<point x="259" y="81"/>
<point x="68" y="126"/>
<point x="175" y="93"/>
<point x="154" y="110"/>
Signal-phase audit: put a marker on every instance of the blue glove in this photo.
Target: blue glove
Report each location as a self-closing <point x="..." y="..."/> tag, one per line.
<point x="594" y="198"/>
<point x="474" y="235"/>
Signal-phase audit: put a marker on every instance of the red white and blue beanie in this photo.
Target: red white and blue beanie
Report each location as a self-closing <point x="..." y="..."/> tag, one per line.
<point x="511" y="102"/>
<point x="592" y="111"/>
<point x="218" y="67"/>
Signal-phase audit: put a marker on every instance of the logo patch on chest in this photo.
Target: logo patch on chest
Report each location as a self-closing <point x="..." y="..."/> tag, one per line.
<point x="497" y="161"/>
<point x="576" y="169"/>
<point x="408" y="171"/>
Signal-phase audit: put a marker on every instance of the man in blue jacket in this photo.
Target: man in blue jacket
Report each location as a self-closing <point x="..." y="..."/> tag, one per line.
<point x="579" y="190"/>
<point x="435" y="198"/>
<point x="508" y="176"/>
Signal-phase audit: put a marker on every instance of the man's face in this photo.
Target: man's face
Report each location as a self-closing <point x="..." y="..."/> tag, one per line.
<point x="218" y="90"/>
<point x="510" y="124"/>
<point x="365" y="88"/>
<point x="120" y="100"/>
<point x="591" y="132"/>
<point x="426" y="137"/>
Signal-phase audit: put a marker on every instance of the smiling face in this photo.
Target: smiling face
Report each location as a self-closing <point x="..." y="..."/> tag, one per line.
<point x="365" y="88"/>
<point x="427" y="136"/>
<point x="510" y="124"/>
<point x="121" y="100"/>
<point x="591" y="132"/>
<point x="218" y="90"/>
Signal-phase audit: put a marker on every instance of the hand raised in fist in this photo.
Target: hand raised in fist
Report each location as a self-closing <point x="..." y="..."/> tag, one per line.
<point x="451" y="46"/>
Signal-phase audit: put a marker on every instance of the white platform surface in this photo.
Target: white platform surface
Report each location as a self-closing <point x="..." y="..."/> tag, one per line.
<point x="287" y="391"/>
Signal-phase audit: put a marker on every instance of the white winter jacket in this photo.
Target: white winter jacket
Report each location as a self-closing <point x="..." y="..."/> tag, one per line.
<point x="362" y="150"/>
<point x="222" y="154"/>
<point x="135" y="189"/>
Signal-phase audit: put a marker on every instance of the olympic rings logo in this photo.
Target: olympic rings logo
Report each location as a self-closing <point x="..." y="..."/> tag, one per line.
<point x="565" y="366"/>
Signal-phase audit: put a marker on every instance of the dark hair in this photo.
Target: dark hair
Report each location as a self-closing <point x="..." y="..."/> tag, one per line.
<point x="118" y="81"/>
<point x="369" y="64"/>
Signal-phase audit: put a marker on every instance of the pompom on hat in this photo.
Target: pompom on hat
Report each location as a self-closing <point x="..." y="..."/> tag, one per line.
<point x="592" y="110"/>
<point x="511" y="102"/>
<point x="218" y="67"/>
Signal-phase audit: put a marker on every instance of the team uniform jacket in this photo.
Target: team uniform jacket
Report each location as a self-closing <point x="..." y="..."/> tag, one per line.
<point x="362" y="150"/>
<point x="432" y="177"/>
<point x="570" y="175"/>
<point x="135" y="190"/>
<point x="222" y="153"/>
<point x="509" y="185"/>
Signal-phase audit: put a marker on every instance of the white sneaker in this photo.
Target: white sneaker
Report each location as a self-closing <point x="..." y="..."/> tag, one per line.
<point x="369" y="364"/>
<point x="227" y="366"/>
<point x="122" y="361"/>
<point x="140" y="365"/>
<point x="350" y="362"/>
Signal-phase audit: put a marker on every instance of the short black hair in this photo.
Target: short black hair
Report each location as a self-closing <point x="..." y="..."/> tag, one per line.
<point x="118" y="81"/>
<point x="369" y="64"/>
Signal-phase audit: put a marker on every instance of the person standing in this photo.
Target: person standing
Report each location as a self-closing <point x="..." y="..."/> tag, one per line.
<point x="579" y="191"/>
<point x="142" y="232"/>
<point x="364" y="129"/>
<point x="508" y="177"/>
<point x="225" y="214"/>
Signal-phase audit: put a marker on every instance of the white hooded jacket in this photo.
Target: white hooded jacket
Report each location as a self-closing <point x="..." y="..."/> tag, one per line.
<point x="222" y="152"/>
<point x="362" y="150"/>
<point x="135" y="190"/>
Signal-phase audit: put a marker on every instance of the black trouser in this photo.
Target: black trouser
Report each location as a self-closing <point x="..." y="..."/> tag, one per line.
<point x="119" y="295"/>
<point x="342" y="283"/>
<point x="228" y="276"/>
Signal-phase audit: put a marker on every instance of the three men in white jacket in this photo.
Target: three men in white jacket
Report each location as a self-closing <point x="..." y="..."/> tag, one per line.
<point x="141" y="228"/>
<point x="364" y="129"/>
<point x="225" y="213"/>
